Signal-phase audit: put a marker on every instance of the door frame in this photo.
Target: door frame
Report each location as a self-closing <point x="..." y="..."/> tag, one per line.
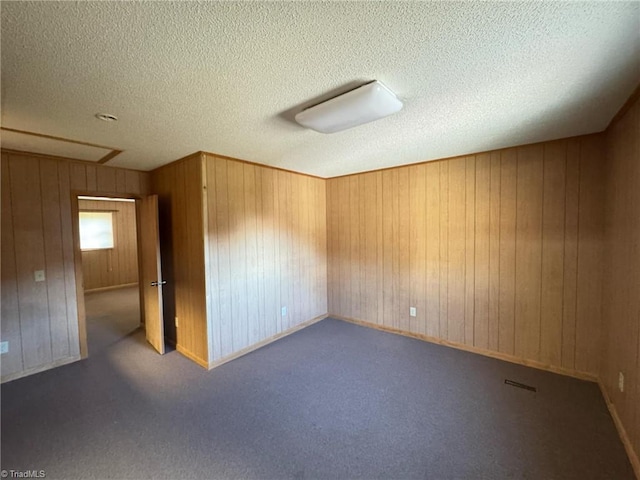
<point x="77" y="259"/>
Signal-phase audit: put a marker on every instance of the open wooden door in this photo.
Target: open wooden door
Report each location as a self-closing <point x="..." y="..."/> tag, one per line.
<point x="151" y="272"/>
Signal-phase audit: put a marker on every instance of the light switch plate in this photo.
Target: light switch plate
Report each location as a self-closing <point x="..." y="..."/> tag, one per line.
<point x="412" y="311"/>
<point x="284" y="311"/>
<point x="39" y="275"/>
<point x="4" y="347"/>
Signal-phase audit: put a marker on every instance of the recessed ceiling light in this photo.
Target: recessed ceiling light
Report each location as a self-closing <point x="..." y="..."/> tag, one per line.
<point x="107" y="117"/>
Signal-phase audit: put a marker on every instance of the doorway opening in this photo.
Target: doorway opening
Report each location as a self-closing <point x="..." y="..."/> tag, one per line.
<point x="110" y="270"/>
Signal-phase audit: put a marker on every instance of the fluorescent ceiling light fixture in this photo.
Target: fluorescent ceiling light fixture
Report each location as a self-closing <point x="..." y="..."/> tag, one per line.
<point x="364" y="104"/>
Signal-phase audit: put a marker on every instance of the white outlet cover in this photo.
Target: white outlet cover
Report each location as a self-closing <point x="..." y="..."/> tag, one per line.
<point x="412" y="311"/>
<point x="38" y="275"/>
<point x="4" y="347"/>
<point x="284" y="311"/>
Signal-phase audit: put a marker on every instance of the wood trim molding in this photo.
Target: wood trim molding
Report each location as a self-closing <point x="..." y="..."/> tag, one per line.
<point x="109" y="156"/>
<point x="10" y="151"/>
<point x="464" y="155"/>
<point x="203" y="154"/>
<point x="191" y="356"/>
<point x="635" y="95"/>
<point x="265" y="342"/>
<point x="112" y="287"/>
<point x="48" y="366"/>
<point x="175" y="162"/>
<point x="113" y="153"/>
<point x="626" y="441"/>
<point x="487" y="353"/>
<point x="224" y="157"/>
<point x="51" y="137"/>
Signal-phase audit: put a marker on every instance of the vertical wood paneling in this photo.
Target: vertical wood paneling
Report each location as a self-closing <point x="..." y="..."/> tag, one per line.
<point x="417" y="259"/>
<point x="68" y="253"/>
<point x="457" y="249"/>
<point x="194" y="226"/>
<point x="179" y="187"/>
<point x="370" y="242"/>
<point x="222" y="235"/>
<point x="387" y="249"/>
<point x="482" y="228"/>
<point x="570" y="293"/>
<point x="271" y="285"/>
<point x="528" y="251"/>
<point x="318" y="204"/>
<point x="212" y="261"/>
<point x="433" y="263"/>
<point x="508" y="174"/>
<point x="332" y="244"/>
<point x="78" y="176"/>
<point x="482" y="245"/>
<point x="403" y="273"/>
<point x="117" y="266"/>
<point x="54" y="259"/>
<point x="621" y="279"/>
<point x="121" y="181"/>
<point x="26" y="202"/>
<point x="470" y="253"/>
<point x="444" y="248"/>
<point x="494" y="253"/>
<point x="353" y="247"/>
<point x="379" y="256"/>
<point x="395" y="303"/>
<point x="12" y="360"/>
<point x="40" y="319"/>
<point x="278" y="215"/>
<point x="590" y="256"/>
<point x="92" y="175"/>
<point x="553" y="239"/>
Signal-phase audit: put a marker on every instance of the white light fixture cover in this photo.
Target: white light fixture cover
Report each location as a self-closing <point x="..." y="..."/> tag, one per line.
<point x="362" y="105"/>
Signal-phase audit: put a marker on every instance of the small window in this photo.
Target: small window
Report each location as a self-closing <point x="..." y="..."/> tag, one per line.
<point x="96" y="230"/>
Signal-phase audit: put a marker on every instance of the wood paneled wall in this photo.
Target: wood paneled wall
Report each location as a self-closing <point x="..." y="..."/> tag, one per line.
<point x="118" y="265"/>
<point x="266" y="249"/>
<point x="499" y="251"/>
<point x="621" y="297"/>
<point x="179" y="186"/>
<point x="40" y="319"/>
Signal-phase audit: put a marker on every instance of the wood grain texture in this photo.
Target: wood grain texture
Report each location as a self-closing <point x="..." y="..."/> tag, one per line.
<point x="266" y="237"/>
<point x="151" y="272"/>
<point x="119" y="265"/>
<point x="478" y="245"/>
<point x="179" y="187"/>
<point x="621" y="278"/>
<point x="40" y="320"/>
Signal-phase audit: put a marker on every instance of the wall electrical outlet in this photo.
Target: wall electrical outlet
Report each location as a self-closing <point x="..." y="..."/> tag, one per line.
<point x="284" y="311"/>
<point x="412" y="311"/>
<point x="4" y="347"/>
<point x="621" y="381"/>
<point x="39" y="275"/>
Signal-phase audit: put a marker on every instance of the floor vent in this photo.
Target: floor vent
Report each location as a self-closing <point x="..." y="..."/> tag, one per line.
<point x="520" y="385"/>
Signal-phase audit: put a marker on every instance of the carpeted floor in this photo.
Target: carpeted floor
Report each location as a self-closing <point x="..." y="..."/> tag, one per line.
<point x="111" y="315"/>
<point x="334" y="400"/>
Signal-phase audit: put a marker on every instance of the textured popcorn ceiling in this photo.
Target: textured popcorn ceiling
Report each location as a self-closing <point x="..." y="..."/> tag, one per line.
<point x="229" y="77"/>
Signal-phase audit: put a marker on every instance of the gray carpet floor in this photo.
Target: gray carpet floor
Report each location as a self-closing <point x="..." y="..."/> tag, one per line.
<point x="332" y="401"/>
